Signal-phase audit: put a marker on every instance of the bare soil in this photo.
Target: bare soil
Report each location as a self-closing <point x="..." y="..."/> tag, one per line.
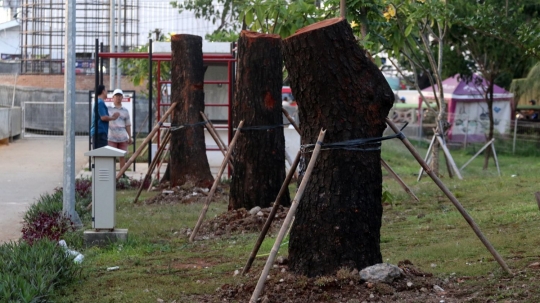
<point x="416" y="285"/>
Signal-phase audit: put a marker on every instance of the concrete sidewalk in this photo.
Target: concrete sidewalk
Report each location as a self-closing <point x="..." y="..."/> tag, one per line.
<point x="31" y="167"/>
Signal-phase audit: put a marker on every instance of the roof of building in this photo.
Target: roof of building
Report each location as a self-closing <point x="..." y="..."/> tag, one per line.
<point x="9" y="24"/>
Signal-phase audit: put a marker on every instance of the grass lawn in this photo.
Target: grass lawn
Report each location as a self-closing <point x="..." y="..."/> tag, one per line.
<point x="158" y="263"/>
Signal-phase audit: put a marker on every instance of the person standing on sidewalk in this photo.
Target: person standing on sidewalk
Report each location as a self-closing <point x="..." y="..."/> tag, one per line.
<point x="119" y="129"/>
<point x="103" y="121"/>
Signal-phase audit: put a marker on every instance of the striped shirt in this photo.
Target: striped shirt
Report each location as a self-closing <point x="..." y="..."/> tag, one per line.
<point x="117" y="128"/>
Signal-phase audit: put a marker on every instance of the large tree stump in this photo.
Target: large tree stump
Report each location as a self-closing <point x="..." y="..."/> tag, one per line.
<point x="339" y="89"/>
<point x="259" y="155"/>
<point x="188" y="160"/>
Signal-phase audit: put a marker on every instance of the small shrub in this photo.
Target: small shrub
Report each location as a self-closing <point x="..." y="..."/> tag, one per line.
<point x="49" y="226"/>
<point x="31" y="273"/>
<point x="46" y="204"/>
<point x="83" y="187"/>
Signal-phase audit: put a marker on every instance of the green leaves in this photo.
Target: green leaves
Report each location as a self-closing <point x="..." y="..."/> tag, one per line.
<point x="31" y="273"/>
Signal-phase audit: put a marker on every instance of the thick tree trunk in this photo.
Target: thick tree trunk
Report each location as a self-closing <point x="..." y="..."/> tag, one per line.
<point x="339" y="89"/>
<point x="259" y="155"/>
<point x="188" y="160"/>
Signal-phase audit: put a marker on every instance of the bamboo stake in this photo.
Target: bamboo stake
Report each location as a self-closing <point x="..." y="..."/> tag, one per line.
<point x="288" y="158"/>
<point x="452" y="198"/>
<point x="478" y="153"/>
<point x="495" y="157"/>
<point x="288" y="219"/>
<point x="266" y="227"/>
<point x="155" y="176"/>
<point x="286" y="113"/>
<point x="166" y="139"/>
<point x="208" y="122"/>
<point x="428" y="155"/>
<point x="216" y="182"/>
<point x="449" y="157"/>
<point x="148" y="138"/>
<point x="398" y="179"/>
<point x="217" y="139"/>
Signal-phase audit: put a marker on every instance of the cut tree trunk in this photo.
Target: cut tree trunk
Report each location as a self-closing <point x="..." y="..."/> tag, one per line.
<point x="188" y="161"/>
<point x="339" y="89"/>
<point x="259" y="154"/>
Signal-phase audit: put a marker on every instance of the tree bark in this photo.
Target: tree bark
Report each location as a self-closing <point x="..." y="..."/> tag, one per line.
<point x="259" y="155"/>
<point x="188" y="160"/>
<point x="339" y="89"/>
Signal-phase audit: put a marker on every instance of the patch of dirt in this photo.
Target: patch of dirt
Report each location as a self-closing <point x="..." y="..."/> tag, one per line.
<point x="345" y="286"/>
<point x="234" y="221"/>
<point x="415" y="286"/>
<point x="241" y="221"/>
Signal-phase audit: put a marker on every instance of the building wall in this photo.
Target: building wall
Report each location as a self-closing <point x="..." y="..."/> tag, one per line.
<point x="10" y="41"/>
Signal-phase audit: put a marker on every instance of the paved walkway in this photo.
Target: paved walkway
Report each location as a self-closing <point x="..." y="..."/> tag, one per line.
<point x="31" y="167"/>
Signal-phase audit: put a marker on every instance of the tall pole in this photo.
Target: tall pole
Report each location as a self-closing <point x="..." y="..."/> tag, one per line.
<point x="150" y="89"/>
<point x="69" y="113"/>
<point x="118" y="45"/>
<point x="100" y="65"/>
<point x="112" y="61"/>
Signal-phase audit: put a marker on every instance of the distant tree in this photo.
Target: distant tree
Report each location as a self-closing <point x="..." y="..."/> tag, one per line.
<point x="411" y="31"/>
<point x="495" y="57"/>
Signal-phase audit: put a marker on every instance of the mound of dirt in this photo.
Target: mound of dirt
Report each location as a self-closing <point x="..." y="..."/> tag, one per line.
<point x="345" y="286"/>
<point x="241" y="221"/>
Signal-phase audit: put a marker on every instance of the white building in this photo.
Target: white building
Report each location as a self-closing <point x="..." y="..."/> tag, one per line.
<point x="9" y="40"/>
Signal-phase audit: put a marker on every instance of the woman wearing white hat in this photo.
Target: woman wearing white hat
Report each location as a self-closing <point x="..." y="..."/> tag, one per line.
<point x="119" y="129"/>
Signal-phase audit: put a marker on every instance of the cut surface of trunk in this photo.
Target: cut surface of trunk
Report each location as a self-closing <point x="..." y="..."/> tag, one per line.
<point x="259" y="154"/>
<point x="188" y="160"/>
<point x="339" y="89"/>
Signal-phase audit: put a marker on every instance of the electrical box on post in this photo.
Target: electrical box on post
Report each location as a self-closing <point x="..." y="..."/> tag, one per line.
<point x="104" y="186"/>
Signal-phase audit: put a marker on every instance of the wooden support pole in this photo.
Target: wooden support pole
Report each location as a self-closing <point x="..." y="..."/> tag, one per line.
<point x="449" y="157"/>
<point x="452" y="198"/>
<point x="266" y="227"/>
<point x="214" y="129"/>
<point x="216" y="182"/>
<point x="428" y="155"/>
<point x="157" y="169"/>
<point x="153" y="164"/>
<point x="288" y="158"/>
<point x="478" y="153"/>
<point x="288" y="219"/>
<point x="495" y="157"/>
<point x="398" y="179"/>
<point x="286" y="113"/>
<point x="217" y="139"/>
<point x="148" y="138"/>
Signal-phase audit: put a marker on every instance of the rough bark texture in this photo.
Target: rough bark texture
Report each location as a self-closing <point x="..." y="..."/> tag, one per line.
<point x="338" y="89"/>
<point x="188" y="160"/>
<point x="259" y="155"/>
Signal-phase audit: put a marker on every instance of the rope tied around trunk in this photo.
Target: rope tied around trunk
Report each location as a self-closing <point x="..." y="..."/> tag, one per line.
<point x="355" y="144"/>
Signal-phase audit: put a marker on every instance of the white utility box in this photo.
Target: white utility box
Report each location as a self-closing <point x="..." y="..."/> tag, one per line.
<point x="104" y="186"/>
